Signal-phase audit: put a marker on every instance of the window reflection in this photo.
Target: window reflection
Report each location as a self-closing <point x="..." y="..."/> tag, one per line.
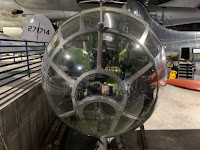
<point x="70" y="27"/>
<point x="53" y="44"/>
<point x="78" y="56"/>
<point x="99" y="117"/>
<point x="59" y="91"/>
<point x="152" y="44"/>
<point x="122" y="56"/>
<point x="91" y="20"/>
<point x="141" y="94"/>
<point x="124" y="123"/>
<point x="98" y="84"/>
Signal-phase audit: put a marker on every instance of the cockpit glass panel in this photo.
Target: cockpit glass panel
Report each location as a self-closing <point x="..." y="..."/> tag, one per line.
<point x="122" y="56"/>
<point x="91" y="19"/>
<point x="134" y="27"/>
<point x="123" y="23"/>
<point x="152" y="44"/>
<point x="112" y="20"/>
<point x="99" y="117"/>
<point x="98" y="84"/>
<point x="78" y="55"/>
<point x="59" y="92"/>
<point x="71" y="27"/>
<point x="142" y="94"/>
<point x="123" y="124"/>
<point x="53" y="44"/>
<point x="76" y="123"/>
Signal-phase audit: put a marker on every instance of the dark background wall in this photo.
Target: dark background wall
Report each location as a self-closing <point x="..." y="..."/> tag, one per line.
<point x="26" y="122"/>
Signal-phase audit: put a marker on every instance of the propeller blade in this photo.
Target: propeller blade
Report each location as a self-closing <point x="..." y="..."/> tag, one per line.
<point x="184" y="83"/>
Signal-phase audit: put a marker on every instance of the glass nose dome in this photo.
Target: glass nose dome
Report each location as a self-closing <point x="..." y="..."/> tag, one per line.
<point x="102" y="78"/>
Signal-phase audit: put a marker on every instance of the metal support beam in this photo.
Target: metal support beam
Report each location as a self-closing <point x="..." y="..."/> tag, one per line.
<point x="102" y="144"/>
<point x="143" y="138"/>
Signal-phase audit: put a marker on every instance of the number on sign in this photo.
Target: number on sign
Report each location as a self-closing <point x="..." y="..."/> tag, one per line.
<point x="34" y="28"/>
<point x="41" y="29"/>
<point x="47" y="32"/>
<point x="29" y="28"/>
<point x="38" y="30"/>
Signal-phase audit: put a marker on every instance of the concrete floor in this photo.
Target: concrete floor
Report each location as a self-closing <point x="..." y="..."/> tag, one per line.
<point x="177" y="109"/>
<point x="175" y="124"/>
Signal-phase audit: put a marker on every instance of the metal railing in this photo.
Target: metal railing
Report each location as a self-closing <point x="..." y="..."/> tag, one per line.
<point x="19" y="59"/>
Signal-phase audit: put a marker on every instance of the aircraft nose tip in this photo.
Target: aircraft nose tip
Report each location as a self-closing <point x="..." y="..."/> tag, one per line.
<point x="101" y="82"/>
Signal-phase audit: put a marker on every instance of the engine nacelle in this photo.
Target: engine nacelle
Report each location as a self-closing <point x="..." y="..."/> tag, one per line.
<point x="103" y="78"/>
